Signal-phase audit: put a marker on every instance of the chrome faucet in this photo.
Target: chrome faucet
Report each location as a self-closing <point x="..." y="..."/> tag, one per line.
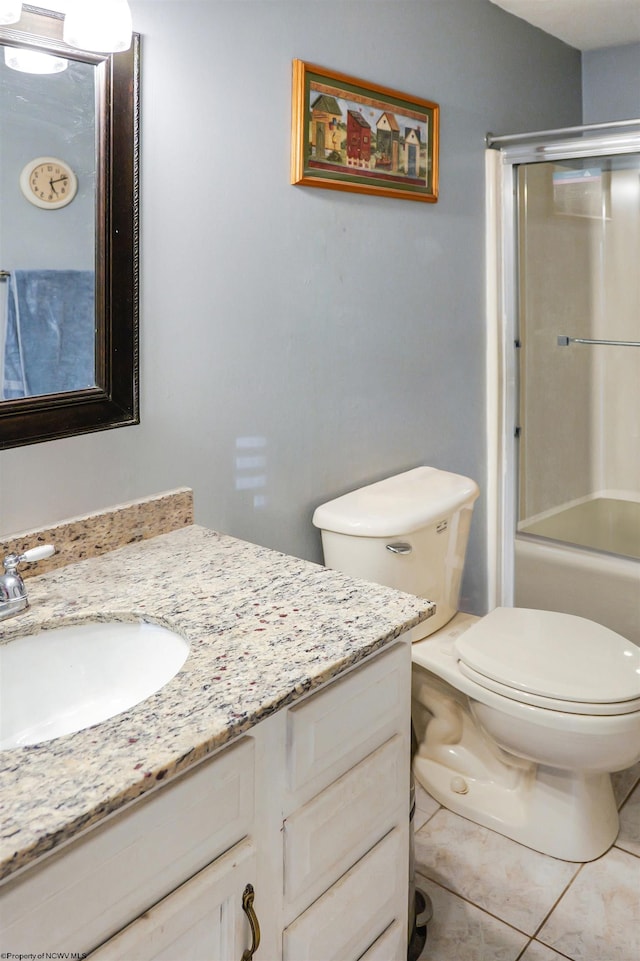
<point x="13" y="592"/>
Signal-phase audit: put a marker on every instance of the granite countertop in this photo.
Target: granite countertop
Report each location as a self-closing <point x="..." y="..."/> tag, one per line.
<point x="264" y="629"/>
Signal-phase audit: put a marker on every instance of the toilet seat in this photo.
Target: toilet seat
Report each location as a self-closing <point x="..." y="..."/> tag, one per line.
<point x="559" y="661"/>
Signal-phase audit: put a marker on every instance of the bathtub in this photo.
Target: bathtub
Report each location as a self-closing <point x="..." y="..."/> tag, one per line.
<point x="555" y="568"/>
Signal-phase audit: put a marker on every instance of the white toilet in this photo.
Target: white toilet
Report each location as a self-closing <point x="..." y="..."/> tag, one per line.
<point x="521" y="715"/>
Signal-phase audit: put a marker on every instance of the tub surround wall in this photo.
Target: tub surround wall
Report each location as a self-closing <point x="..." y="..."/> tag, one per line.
<point x="579" y="405"/>
<point x="264" y="629"/>
<point x="616" y="312"/>
<point x="555" y="298"/>
<point x="93" y="534"/>
<point x="602" y="587"/>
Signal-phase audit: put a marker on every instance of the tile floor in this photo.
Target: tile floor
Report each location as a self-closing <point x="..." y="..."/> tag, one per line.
<point x="495" y="900"/>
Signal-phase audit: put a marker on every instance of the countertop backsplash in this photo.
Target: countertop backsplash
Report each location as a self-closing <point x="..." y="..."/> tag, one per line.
<point x="93" y="534"/>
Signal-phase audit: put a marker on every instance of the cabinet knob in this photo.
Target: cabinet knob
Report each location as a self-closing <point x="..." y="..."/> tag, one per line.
<point x="247" y="906"/>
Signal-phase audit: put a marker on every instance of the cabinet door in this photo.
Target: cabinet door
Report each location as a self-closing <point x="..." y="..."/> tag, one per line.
<point x="331" y="730"/>
<point x="390" y="944"/>
<point x="345" y="922"/>
<point x="328" y="834"/>
<point x="203" y="918"/>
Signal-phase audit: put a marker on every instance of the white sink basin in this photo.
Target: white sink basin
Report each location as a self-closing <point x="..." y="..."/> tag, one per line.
<point x="69" y="678"/>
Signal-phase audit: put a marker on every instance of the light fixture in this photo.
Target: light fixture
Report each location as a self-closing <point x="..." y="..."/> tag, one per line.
<point x="102" y="26"/>
<point x="10" y="11"/>
<point x="33" y="61"/>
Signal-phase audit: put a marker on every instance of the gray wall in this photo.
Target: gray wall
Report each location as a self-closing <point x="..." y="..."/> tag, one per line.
<point x="611" y="84"/>
<point x="330" y="338"/>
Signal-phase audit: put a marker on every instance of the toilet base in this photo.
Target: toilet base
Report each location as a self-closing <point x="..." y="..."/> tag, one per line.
<point x="564" y="814"/>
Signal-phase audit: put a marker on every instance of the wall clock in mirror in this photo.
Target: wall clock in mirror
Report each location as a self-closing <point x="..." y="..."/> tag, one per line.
<point x="48" y="183"/>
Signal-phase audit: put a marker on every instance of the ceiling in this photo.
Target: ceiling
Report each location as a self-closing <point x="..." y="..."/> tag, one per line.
<point x="584" y="24"/>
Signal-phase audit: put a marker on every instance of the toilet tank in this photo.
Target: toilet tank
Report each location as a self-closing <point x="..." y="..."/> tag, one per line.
<point x="409" y="532"/>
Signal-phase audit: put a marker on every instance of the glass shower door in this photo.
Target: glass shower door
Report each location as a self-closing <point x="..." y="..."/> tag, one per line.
<point x="579" y="337"/>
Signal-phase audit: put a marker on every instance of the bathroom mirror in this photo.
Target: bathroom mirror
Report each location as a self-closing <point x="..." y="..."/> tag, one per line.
<point x="71" y="233"/>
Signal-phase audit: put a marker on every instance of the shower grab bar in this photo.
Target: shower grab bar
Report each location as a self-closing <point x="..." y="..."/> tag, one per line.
<point x="564" y="341"/>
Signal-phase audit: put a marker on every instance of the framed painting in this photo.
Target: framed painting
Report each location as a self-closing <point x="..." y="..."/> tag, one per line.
<point x="349" y="134"/>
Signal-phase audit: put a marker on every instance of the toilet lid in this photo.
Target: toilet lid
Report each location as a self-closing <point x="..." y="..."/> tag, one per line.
<point x="550" y="703"/>
<point x="398" y="505"/>
<point x="552" y="655"/>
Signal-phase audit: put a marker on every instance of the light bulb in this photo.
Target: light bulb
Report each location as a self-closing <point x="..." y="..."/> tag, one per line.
<point x="10" y="11"/>
<point x="103" y="26"/>
<point x="33" y="61"/>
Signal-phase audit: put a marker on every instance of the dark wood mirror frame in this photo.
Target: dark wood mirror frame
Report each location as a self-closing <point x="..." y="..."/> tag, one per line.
<point x="114" y="401"/>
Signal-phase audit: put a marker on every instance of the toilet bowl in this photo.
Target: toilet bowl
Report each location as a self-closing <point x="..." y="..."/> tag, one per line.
<point x="494" y="747"/>
<point x="520" y="716"/>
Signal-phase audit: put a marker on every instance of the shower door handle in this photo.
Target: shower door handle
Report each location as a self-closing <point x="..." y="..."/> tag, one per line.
<point x="564" y="341"/>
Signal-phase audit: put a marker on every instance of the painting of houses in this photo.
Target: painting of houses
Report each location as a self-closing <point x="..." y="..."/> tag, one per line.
<point x="348" y="134"/>
<point x="325" y="127"/>
<point x="358" y="139"/>
<point x="387" y="142"/>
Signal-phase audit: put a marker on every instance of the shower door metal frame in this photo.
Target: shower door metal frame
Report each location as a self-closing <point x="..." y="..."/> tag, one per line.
<point x="596" y="140"/>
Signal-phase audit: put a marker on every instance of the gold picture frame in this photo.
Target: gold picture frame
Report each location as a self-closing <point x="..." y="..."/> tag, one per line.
<point x="349" y="134"/>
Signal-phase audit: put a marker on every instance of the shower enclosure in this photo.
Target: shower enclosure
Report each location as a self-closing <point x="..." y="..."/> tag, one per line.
<point x="570" y="367"/>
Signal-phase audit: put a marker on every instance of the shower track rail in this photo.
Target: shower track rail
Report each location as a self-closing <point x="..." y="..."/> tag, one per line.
<point x="495" y="142"/>
<point x="564" y="341"/>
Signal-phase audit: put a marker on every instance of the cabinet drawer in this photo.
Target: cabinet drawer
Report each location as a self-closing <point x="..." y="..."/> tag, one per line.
<point x="351" y="915"/>
<point x="328" y="834"/>
<point x="332" y="730"/>
<point x="127" y="864"/>
<point x="390" y="946"/>
<point x="203" y="918"/>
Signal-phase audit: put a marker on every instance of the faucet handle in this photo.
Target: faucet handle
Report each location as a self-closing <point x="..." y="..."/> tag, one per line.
<point x="29" y="557"/>
<point x="37" y="554"/>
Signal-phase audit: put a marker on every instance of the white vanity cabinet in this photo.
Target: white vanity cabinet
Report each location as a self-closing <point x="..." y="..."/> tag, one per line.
<point x="310" y="808"/>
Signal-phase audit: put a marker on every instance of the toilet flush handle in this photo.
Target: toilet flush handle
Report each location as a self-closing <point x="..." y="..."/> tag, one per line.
<point x="399" y="547"/>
